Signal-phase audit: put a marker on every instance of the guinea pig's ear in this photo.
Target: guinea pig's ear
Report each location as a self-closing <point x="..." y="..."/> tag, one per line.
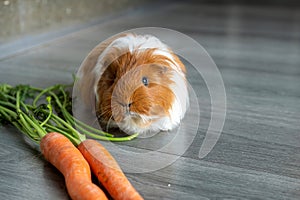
<point x="164" y="69"/>
<point x="161" y="69"/>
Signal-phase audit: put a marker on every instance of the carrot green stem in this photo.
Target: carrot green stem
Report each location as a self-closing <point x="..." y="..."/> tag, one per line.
<point x="50" y="111"/>
<point x="18" y="126"/>
<point x="112" y="139"/>
<point x="11" y="113"/>
<point x="65" y="133"/>
<point x="74" y="132"/>
<point x="84" y="127"/>
<point x="71" y="119"/>
<point x="42" y="93"/>
<point x="5" y="103"/>
<point x="24" y="106"/>
<point x="41" y="132"/>
<point x="37" y="118"/>
<point x="27" y="121"/>
<point x="64" y="95"/>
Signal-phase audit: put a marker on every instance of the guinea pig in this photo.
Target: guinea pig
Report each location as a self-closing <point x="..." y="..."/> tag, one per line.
<point x="136" y="83"/>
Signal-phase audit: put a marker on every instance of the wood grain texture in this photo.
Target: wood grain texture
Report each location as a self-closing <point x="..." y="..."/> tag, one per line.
<point x="258" y="154"/>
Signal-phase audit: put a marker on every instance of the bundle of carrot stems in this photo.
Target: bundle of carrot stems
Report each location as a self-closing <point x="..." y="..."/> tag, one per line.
<point x="44" y="115"/>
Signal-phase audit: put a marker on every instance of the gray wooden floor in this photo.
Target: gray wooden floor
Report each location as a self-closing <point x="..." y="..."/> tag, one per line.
<point x="257" y="50"/>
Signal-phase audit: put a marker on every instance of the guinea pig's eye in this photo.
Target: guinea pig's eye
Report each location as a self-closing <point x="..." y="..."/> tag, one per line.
<point x="145" y="81"/>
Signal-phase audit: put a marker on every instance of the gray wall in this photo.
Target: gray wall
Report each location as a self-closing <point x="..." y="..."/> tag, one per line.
<point x="19" y="18"/>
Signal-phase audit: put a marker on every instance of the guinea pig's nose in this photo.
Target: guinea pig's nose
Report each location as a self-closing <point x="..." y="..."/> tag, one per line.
<point x="128" y="105"/>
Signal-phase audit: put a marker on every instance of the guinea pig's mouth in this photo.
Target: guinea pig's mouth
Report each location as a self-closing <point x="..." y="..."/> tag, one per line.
<point x="136" y="119"/>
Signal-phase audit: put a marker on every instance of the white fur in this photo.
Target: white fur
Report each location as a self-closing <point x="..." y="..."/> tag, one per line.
<point x="180" y="104"/>
<point x="135" y="42"/>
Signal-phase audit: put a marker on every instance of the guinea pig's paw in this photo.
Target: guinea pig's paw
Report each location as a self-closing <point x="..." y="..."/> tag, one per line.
<point x="163" y="125"/>
<point x="166" y="130"/>
<point x="169" y="128"/>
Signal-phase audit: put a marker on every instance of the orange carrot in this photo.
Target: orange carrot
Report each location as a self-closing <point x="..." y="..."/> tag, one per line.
<point x="107" y="170"/>
<point x="60" y="152"/>
<point x="56" y="135"/>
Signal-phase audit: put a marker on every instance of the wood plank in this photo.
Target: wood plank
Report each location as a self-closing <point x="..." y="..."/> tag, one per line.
<point x="257" y="156"/>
